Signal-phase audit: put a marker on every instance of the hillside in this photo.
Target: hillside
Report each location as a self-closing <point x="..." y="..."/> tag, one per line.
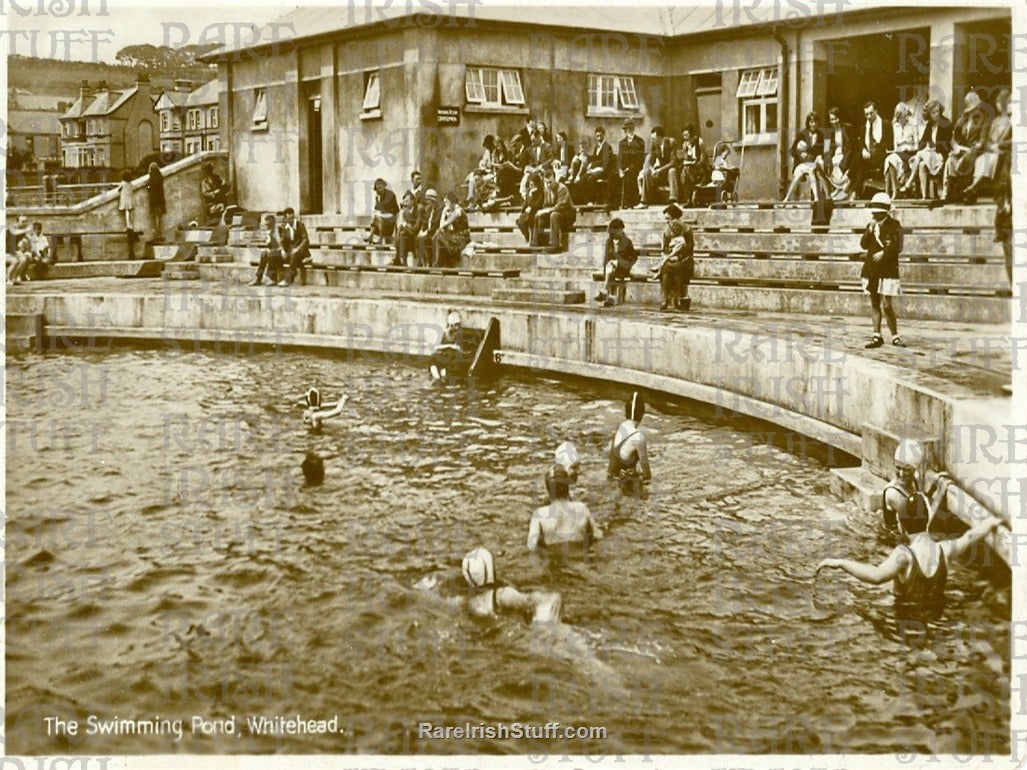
<point x="61" y="78"/>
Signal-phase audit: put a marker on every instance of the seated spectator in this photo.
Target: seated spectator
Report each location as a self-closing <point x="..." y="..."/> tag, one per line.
<point x="841" y="159"/>
<point x="694" y="164"/>
<point x="659" y="168"/>
<point x="536" y="157"/>
<point x="876" y="142"/>
<point x="563" y="154"/>
<point x="721" y="163"/>
<point x="508" y="168"/>
<point x="428" y="225"/>
<point x="417" y="186"/>
<point x="928" y="163"/>
<point x="557" y="214"/>
<point x="807" y="153"/>
<point x="383" y="219"/>
<point x="42" y="257"/>
<point x="271" y="253"/>
<point x="897" y="163"/>
<point x="295" y="244"/>
<point x="600" y="172"/>
<point x="619" y="257"/>
<point x="406" y="231"/>
<point x="453" y="235"/>
<point x="576" y="173"/>
<point x="534" y="199"/>
<point x="678" y="264"/>
<point x="993" y="159"/>
<point x="19" y="252"/>
<point x="482" y="175"/>
<point x="969" y="135"/>
<point x="213" y="193"/>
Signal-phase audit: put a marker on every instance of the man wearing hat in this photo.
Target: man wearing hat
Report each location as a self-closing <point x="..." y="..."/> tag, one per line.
<point x="883" y="241"/>
<point x="678" y="265"/>
<point x="428" y="220"/>
<point x="619" y="258"/>
<point x="631" y="154"/>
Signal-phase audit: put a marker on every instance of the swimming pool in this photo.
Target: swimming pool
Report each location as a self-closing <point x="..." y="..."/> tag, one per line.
<point x="165" y="563"/>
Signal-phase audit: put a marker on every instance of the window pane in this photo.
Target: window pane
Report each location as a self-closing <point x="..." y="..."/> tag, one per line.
<point x="260" y="108"/>
<point x="512" y="91"/>
<point x="472" y="85"/>
<point x="372" y="92"/>
<point x="752" y="119"/>
<point x="608" y="92"/>
<point x="628" y="97"/>
<point x="593" y="91"/>
<point x="747" y="85"/>
<point x="771" y="127"/>
<point x="490" y="82"/>
<point x="768" y="83"/>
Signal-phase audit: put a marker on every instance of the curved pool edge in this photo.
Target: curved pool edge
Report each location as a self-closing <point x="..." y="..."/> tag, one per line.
<point x="806" y="384"/>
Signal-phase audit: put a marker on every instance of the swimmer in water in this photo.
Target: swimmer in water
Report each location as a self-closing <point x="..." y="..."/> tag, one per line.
<point x="313" y="468"/>
<point x="567" y="456"/>
<point x="487" y="598"/>
<point x="905" y="488"/>
<point x="449" y="348"/>
<point x="562" y="520"/>
<point x="918" y="571"/>
<point x="628" y="450"/>
<point x="316" y="413"/>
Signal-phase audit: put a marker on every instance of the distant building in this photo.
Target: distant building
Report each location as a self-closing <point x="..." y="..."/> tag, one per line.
<point x="34" y="129"/>
<point x="108" y="128"/>
<point x="349" y="96"/>
<point x="189" y="118"/>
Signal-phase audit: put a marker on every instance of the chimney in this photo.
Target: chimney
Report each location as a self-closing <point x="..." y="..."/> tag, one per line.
<point x="101" y="86"/>
<point x="143" y="82"/>
<point x="84" y="91"/>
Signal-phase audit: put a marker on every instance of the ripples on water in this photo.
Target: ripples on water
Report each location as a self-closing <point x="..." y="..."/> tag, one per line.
<point x="165" y="561"/>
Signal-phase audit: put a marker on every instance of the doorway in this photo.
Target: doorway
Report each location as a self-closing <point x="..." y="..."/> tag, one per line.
<point x="314" y="176"/>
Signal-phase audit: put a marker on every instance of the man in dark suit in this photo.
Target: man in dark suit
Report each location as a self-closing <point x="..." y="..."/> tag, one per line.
<point x="876" y="140"/>
<point x="558" y="213"/>
<point x="631" y="157"/>
<point x="295" y="243"/>
<point x="601" y="171"/>
<point x="620" y="256"/>
<point x="659" y="167"/>
<point x="431" y="212"/>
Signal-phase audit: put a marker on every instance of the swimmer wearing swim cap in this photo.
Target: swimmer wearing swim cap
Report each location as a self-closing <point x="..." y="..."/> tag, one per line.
<point x="561" y="520"/>
<point x="487" y="598"/>
<point x="628" y="450"/>
<point x="905" y="495"/>
<point x="316" y="413"/>
<point x="449" y="347"/>
<point x="567" y="456"/>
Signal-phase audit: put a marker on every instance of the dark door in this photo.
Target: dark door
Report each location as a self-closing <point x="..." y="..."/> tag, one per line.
<point x="314" y="160"/>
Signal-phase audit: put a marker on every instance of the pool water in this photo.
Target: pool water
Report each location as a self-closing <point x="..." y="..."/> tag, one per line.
<point x="166" y="562"/>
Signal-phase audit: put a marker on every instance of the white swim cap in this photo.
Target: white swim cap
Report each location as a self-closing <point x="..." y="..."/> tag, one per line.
<point x="567" y="454"/>
<point x="453" y="319"/>
<point x="909" y="452"/>
<point x="479" y="569"/>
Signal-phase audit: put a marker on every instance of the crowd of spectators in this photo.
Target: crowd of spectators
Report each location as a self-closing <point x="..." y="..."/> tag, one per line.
<point x="28" y="252"/>
<point x="920" y="153"/>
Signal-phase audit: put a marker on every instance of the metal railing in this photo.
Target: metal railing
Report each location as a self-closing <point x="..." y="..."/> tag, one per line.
<point x="62" y="195"/>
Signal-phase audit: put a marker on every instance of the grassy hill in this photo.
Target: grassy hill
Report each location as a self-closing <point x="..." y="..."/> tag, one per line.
<point x="62" y="78"/>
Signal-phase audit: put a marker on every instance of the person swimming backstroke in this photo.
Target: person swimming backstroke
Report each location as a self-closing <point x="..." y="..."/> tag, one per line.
<point x="628" y="450"/>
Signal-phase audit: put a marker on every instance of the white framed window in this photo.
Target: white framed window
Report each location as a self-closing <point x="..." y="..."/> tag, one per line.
<point x="192" y="120"/>
<point x="372" y="92"/>
<point x="192" y="146"/>
<point x="492" y="87"/>
<point x="214" y="117"/>
<point x="259" y="109"/>
<point x="165" y="120"/>
<point x="214" y="143"/>
<point x="611" y="94"/>
<point x="757" y="95"/>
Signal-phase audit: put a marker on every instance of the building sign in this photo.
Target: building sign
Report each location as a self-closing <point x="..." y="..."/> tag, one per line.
<point x="448" y="116"/>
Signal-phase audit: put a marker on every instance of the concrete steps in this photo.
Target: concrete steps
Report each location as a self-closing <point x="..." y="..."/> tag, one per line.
<point x="541" y="294"/>
<point x="137" y="268"/>
<point x="181" y="271"/>
<point x="24" y="331"/>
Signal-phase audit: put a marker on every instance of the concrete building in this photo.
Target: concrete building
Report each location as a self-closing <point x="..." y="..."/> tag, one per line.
<point x="330" y="99"/>
<point x="189" y="118"/>
<point x="108" y="128"/>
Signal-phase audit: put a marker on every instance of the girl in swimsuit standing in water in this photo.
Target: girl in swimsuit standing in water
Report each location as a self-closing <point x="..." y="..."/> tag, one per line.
<point x="316" y="413"/>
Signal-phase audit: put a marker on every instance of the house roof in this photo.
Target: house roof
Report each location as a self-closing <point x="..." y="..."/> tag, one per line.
<point x="174" y="99"/>
<point x="652" y="17"/>
<point x="33" y="121"/>
<point x="204" y="96"/>
<point x="24" y="100"/>
<point x="106" y="102"/>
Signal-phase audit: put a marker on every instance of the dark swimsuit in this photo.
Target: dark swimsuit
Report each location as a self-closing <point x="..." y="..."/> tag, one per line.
<point x="920" y="591"/>
<point x="891" y="514"/>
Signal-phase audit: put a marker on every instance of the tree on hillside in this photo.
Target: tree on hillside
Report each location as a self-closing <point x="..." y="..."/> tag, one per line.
<point x="161" y="57"/>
